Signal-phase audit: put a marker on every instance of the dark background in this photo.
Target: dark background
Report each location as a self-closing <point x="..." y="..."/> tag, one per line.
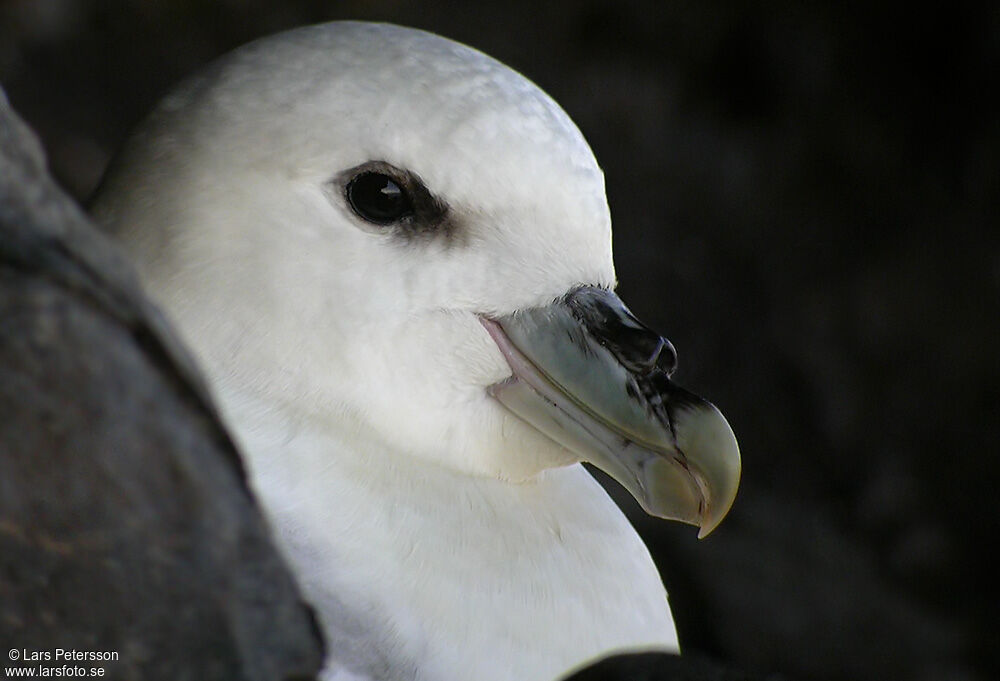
<point x="804" y="196"/>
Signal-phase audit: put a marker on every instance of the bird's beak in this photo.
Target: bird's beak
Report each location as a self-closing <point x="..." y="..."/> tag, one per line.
<point x="592" y="377"/>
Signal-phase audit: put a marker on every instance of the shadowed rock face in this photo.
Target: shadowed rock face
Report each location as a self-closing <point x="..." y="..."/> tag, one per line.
<point x="125" y="521"/>
<point x="660" y="667"/>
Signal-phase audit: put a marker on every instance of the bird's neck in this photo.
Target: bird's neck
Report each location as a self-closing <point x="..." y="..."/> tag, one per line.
<point x="430" y="562"/>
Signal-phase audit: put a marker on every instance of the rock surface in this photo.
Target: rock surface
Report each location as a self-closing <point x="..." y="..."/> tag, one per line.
<point x="662" y="667"/>
<point x="126" y="525"/>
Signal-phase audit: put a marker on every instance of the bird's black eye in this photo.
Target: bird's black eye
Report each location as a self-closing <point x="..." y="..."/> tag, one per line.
<point x="378" y="198"/>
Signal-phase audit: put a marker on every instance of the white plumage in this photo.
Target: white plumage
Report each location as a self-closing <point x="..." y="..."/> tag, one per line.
<point x="438" y="535"/>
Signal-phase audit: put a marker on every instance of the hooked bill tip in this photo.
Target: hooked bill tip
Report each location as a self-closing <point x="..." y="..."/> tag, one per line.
<point x="711" y="451"/>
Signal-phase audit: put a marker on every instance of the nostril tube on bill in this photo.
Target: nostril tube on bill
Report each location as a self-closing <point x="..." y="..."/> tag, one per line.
<point x="639" y="349"/>
<point x="667" y="360"/>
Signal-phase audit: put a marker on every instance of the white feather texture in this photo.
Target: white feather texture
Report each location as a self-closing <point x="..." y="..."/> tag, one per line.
<point x="438" y="536"/>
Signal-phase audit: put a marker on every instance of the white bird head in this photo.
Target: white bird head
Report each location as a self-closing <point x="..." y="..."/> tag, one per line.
<point x="375" y="229"/>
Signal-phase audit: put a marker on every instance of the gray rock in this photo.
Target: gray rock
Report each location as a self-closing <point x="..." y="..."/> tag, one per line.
<point x="653" y="666"/>
<point x="126" y="524"/>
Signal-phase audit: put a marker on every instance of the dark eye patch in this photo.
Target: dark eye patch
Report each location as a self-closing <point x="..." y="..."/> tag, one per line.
<point x="393" y="199"/>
